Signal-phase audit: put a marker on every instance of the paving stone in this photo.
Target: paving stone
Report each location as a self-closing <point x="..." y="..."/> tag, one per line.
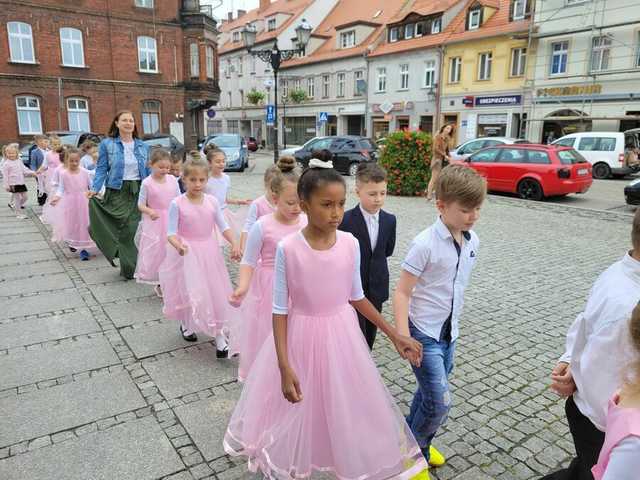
<point x="60" y="408"/>
<point x="19" y="271"/>
<point x="25" y="286"/>
<point x="157" y="338"/>
<point x="24" y="258"/>
<point x="206" y="421"/>
<point x="191" y="371"/>
<point x="43" y="303"/>
<point x="25" y="245"/>
<point x="54" y="327"/>
<point x="120" y="291"/>
<point x="123" y="314"/>
<point x="130" y="451"/>
<point x="25" y="367"/>
<point x="106" y="274"/>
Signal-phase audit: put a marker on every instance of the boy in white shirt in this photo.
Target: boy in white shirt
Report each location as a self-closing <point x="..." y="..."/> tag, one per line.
<point x="597" y="351"/>
<point x="430" y="293"/>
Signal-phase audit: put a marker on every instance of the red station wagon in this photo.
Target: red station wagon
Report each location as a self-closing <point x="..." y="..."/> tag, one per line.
<point x="532" y="171"/>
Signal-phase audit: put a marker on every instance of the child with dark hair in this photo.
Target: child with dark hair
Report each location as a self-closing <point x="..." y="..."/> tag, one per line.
<point x="324" y="367"/>
<point x="375" y="230"/>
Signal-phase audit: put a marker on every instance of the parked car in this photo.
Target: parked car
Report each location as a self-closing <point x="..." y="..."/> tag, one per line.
<point x="465" y="149"/>
<point x="605" y="151"/>
<point x="74" y="139"/>
<point x="166" y="141"/>
<point x="632" y="192"/>
<point x="234" y="147"/>
<point x="348" y="151"/>
<point x="252" y="144"/>
<point x="533" y="171"/>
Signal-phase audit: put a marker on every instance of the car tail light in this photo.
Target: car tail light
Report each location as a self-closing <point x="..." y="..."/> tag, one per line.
<point x="621" y="158"/>
<point x="564" y="173"/>
<point x="365" y="153"/>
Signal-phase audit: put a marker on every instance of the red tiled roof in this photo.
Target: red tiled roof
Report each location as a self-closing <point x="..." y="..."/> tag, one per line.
<point x="424" y="7"/>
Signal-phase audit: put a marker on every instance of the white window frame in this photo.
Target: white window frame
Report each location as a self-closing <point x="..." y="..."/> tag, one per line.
<point x="519" y="5"/>
<point x="235" y="37"/>
<point x="436" y="25"/>
<point x="409" y="31"/>
<point x="284" y="85"/>
<point x="404" y="76"/>
<point x="429" y="74"/>
<point x="393" y="34"/>
<point x="600" y="53"/>
<point x="485" y="60"/>
<point x="21" y="42"/>
<point x="341" y="80"/>
<point x="147" y="52"/>
<point x="76" y="114"/>
<point x="474" y="18"/>
<point x="559" y="53"/>
<point x="144" y="3"/>
<point x="150" y="115"/>
<point x="326" y="86"/>
<point x="518" y="62"/>
<point x="357" y="75"/>
<point x="455" y="69"/>
<point x="240" y="65"/>
<point x="381" y="79"/>
<point x="252" y="63"/>
<point x="348" y="39"/>
<point x="194" y="60"/>
<point x="421" y="26"/>
<point x="210" y="54"/>
<point x="272" y="25"/>
<point x="72" y="46"/>
<point x="28" y="115"/>
<point x="637" y="63"/>
<point x="311" y="87"/>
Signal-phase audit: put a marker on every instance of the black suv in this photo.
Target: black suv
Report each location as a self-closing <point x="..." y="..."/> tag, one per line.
<point x="166" y="141"/>
<point x="348" y="152"/>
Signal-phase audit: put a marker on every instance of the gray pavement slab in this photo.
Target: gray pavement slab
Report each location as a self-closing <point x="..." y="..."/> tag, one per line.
<point x="105" y="274"/>
<point x="123" y="314"/>
<point x="24" y="367"/>
<point x="25" y="246"/>
<point x="41" y="283"/>
<point x="7" y="236"/>
<point x="191" y="371"/>
<point x="36" y="304"/>
<point x="157" y="338"/>
<point x="22" y="258"/>
<point x="120" y="291"/>
<point x="51" y="410"/>
<point x="136" y="450"/>
<point x="37" y="330"/>
<point x="96" y="261"/>
<point x="20" y="271"/>
<point x="206" y="421"/>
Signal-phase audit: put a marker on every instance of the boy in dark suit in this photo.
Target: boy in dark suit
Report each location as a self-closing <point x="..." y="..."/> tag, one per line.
<point x="375" y="230"/>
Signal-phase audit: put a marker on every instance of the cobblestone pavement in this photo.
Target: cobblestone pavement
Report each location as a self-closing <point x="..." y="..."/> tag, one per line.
<point x="96" y="384"/>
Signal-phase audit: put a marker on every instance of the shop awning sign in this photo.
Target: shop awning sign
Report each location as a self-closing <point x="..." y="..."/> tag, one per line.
<point x="498" y="101"/>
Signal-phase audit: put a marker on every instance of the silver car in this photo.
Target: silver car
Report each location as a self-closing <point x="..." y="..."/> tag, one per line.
<point x="234" y="147"/>
<point x="462" y="152"/>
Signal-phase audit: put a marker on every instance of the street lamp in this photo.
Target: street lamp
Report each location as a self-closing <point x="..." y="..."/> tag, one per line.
<point x="275" y="57"/>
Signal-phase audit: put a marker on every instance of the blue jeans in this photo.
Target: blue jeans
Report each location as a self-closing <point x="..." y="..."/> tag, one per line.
<point x="432" y="400"/>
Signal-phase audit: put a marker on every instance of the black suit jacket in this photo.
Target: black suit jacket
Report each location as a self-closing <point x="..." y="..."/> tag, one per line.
<point x="374" y="269"/>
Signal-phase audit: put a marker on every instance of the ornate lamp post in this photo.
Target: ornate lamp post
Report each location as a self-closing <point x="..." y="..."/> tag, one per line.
<point x="275" y="57"/>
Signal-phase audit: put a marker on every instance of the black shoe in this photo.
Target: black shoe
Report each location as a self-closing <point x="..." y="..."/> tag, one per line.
<point x="112" y="263"/>
<point x="222" y="353"/>
<point x="73" y="250"/>
<point x="188" y="338"/>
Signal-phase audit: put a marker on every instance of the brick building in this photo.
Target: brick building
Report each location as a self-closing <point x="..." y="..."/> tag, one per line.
<point x="72" y="64"/>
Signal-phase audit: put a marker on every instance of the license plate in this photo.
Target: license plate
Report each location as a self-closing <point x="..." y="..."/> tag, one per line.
<point x="583" y="171"/>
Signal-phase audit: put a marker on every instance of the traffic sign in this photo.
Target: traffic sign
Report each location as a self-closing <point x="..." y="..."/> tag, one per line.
<point x="211" y="113"/>
<point x="271" y="114"/>
<point x="323" y="117"/>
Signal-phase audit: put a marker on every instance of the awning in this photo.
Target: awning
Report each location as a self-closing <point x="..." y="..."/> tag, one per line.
<point x="577" y="118"/>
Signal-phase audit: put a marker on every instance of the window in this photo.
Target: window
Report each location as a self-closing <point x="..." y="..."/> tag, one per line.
<point x="638" y="50"/>
<point x="230" y="99"/>
<point x="21" y="42"/>
<point x="195" y="60"/>
<point x="455" y="69"/>
<point x="210" y="62"/>
<point x="357" y="90"/>
<point x="227" y="71"/>
<point x="28" y="109"/>
<point x="559" y="55"/>
<point x="436" y="26"/>
<point x="408" y="30"/>
<point x="420" y="29"/>
<point x="430" y="73"/>
<point x="341" y="78"/>
<point x="569" y="157"/>
<point x="252" y="60"/>
<point x="597" y="144"/>
<point x="71" y="45"/>
<point x="404" y="76"/>
<point x="236" y="37"/>
<point x="296" y="84"/>
<point x="144" y="3"/>
<point x="348" y="39"/>
<point x="484" y="66"/>
<point x="518" y="61"/>
<point x="240" y="65"/>
<point x="488" y="155"/>
<point x="519" y="9"/>
<point x="241" y="92"/>
<point x="147" y="55"/>
<point x="565" y="142"/>
<point x="474" y="19"/>
<point x="393" y="34"/>
<point x="233" y="126"/>
<point x="600" y="52"/>
<point x="311" y="87"/>
<point x="284" y="84"/>
<point x="271" y="24"/>
<point x="150" y="116"/>
<point x="471" y="147"/>
<point x="381" y="84"/>
<point x="536" y="156"/>
<point x="326" y="85"/>
<point x="78" y="114"/>
<point x="513" y="155"/>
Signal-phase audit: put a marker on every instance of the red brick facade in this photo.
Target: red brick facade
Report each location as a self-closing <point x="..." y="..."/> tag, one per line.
<point x="111" y="79"/>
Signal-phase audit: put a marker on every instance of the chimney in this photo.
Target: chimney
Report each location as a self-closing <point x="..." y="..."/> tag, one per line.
<point x="241" y="13"/>
<point x="230" y="16"/>
<point x="264" y="4"/>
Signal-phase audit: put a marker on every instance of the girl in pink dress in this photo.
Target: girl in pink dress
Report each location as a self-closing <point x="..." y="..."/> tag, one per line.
<point x="156" y="193"/>
<point x="47" y="171"/>
<point x="71" y="195"/>
<point x="13" y="173"/>
<point x="193" y="276"/>
<point x="263" y="205"/>
<point x="256" y="270"/>
<point x="620" y="455"/>
<point x="331" y="411"/>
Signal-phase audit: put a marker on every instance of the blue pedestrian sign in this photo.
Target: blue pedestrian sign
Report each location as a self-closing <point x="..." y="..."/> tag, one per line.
<point x="271" y="114"/>
<point x="323" y="117"/>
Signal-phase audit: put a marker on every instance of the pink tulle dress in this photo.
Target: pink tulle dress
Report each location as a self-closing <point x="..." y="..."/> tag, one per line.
<point x="196" y="287"/>
<point x="219" y="188"/>
<point x="49" y="175"/>
<point x="151" y="237"/>
<point x="347" y="423"/>
<point x="73" y="224"/>
<point x="255" y="320"/>
<point x="53" y="215"/>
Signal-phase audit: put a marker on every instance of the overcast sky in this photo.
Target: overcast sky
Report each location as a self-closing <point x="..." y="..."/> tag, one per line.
<point x="229" y="5"/>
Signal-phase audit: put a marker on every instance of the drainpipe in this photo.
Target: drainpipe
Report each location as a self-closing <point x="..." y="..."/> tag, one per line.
<point x="60" y="101"/>
<point x="438" y="86"/>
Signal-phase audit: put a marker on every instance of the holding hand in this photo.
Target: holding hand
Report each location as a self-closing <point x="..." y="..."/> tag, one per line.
<point x="91" y="194"/>
<point x="409" y="349"/>
<point x="55" y="200"/>
<point x="154" y="215"/>
<point x="290" y="385"/>
<point x="182" y="249"/>
<point x="237" y="296"/>
<point x="236" y="254"/>
<point x="562" y="380"/>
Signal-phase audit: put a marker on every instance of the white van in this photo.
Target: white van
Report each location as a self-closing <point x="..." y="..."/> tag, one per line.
<point x="604" y="150"/>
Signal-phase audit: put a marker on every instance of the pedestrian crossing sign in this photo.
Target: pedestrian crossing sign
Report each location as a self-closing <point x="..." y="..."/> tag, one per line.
<point x="323" y="117"/>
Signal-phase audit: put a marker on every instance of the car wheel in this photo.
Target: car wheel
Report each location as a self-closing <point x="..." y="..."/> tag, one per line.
<point x="353" y="169"/>
<point x="530" y="189"/>
<point x="601" y="171"/>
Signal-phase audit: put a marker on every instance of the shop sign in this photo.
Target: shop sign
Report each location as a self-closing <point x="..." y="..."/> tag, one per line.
<point x="387" y="107"/>
<point x="468" y="101"/>
<point x="570" y="90"/>
<point x="499" y="100"/>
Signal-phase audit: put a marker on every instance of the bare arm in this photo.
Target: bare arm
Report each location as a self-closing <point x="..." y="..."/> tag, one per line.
<point x="401" y="298"/>
<point x="290" y="384"/>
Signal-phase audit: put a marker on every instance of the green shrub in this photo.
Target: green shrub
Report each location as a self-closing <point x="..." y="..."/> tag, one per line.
<point x="298" y="95"/>
<point x="406" y="156"/>
<point x="255" y="97"/>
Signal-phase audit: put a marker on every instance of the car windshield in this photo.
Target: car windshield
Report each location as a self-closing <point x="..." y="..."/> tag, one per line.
<point x="569" y="157"/>
<point x="159" y="141"/>
<point x="68" y="138"/>
<point x="226" y="141"/>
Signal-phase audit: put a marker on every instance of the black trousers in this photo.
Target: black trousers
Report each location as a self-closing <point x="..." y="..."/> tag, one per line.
<point x="588" y="441"/>
<point x="369" y="330"/>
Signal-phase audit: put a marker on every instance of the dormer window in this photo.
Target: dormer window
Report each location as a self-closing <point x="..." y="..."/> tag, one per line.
<point x="236" y="37"/>
<point x="436" y="26"/>
<point x="271" y="24"/>
<point x="415" y="27"/>
<point x="475" y="18"/>
<point x="393" y="34"/>
<point x="520" y="9"/>
<point x="348" y="39"/>
<point x="420" y="28"/>
<point x="408" y="30"/>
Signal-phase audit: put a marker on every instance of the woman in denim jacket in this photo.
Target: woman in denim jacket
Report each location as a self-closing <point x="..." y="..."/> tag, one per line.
<point x="122" y="165"/>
